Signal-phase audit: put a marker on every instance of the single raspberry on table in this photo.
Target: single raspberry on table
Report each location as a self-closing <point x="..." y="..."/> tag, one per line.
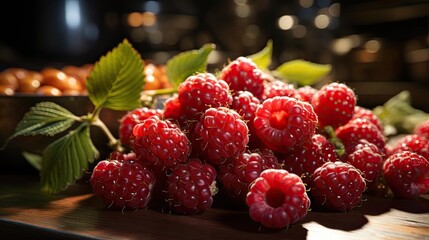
<point x="243" y="74"/>
<point x="305" y="159"/>
<point x="334" y="104"/>
<point x="422" y="129"/>
<point x="413" y="143"/>
<point x="132" y="118"/>
<point x="202" y="91"/>
<point x="221" y="135"/>
<point x="361" y="112"/>
<point x="278" y="88"/>
<point x="283" y="123"/>
<point x="368" y="159"/>
<point x="277" y="199"/>
<point x="237" y="175"/>
<point x="407" y="174"/>
<point x="191" y="187"/>
<point x="337" y="186"/>
<point x="160" y="143"/>
<point x="122" y="184"/>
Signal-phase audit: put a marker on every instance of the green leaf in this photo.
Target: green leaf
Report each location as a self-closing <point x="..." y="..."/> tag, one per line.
<point x="263" y="58"/>
<point x="44" y="118"/>
<point x="188" y="63"/>
<point x="65" y="160"/>
<point x="303" y="72"/>
<point x="117" y="79"/>
<point x="34" y="159"/>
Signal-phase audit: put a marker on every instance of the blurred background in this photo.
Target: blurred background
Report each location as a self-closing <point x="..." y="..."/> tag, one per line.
<point x="378" y="47"/>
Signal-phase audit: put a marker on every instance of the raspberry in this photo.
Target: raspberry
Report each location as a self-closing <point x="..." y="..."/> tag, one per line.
<point x="120" y="156"/>
<point x="160" y="143"/>
<point x="283" y="123"/>
<point x="122" y="184"/>
<point x="357" y="129"/>
<point x="243" y="74"/>
<point x="337" y="186"/>
<point x="407" y="174"/>
<point x="278" y="88"/>
<point x="243" y="170"/>
<point x="173" y="110"/>
<point x="191" y="187"/>
<point x="277" y="199"/>
<point x="368" y="159"/>
<point x="132" y="118"/>
<point x="422" y="129"/>
<point x="221" y="135"/>
<point x="202" y="91"/>
<point x="413" y="143"/>
<point x="304" y="160"/>
<point x="361" y="112"/>
<point x="334" y="104"/>
<point x="305" y="93"/>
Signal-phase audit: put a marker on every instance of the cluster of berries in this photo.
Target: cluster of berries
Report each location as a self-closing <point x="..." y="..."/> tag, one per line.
<point x="264" y="144"/>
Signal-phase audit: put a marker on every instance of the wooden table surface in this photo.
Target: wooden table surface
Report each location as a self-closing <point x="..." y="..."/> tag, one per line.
<point x="26" y="213"/>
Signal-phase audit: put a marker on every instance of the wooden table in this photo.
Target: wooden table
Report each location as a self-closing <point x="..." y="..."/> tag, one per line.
<point x="26" y="213"/>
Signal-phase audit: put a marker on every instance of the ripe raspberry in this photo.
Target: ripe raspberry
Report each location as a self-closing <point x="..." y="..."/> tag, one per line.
<point x="202" y="91"/>
<point x="132" y="118"/>
<point x="278" y="88"/>
<point x="407" y="174"/>
<point x="334" y="104"/>
<point x="337" y="186"/>
<point x="221" y="135"/>
<point x="160" y="143"/>
<point x="122" y="184"/>
<point x="422" y="129"/>
<point x="283" y="123"/>
<point x="361" y="112"/>
<point x="243" y="74"/>
<point x="277" y="199"/>
<point x="191" y="187"/>
<point x="357" y="129"/>
<point x="305" y="93"/>
<point x="413" y="143"/>
<point x="368" y="159"/>
<point x="305" y="159"/>
<point x="243" y="170"/>
<point x="173" y="110"/>
<point x="120" y="156"/>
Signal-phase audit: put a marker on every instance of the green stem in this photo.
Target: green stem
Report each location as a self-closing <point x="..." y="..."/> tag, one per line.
<point x="113" y="142"/>
<point x="339" y="146"/>
<point x="162" y="91"/>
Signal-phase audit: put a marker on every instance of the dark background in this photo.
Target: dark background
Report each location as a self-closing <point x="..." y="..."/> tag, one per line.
<point x="379" y="47"/>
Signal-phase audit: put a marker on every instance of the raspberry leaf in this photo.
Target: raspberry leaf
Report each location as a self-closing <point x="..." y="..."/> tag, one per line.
<point x="302" y="72"/>
<point x="34" y="159"/>
<point x="45" y="118"/>
<point x="65" y="160"/>
<point x="188" y="63"/>
<point x="263" y="58"/>
<point x="117" y="79"/>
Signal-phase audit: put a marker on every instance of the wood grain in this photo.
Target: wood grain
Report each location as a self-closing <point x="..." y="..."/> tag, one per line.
<point x="26" y="213"/>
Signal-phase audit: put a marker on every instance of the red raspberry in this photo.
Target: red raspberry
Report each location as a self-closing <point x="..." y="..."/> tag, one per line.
<point x="243" y="74"/>
<point x="132" y="118"/>
<point x="202" y="91"/>
<point x="277" y="199"/>
<point x="122" y="184"/>
<point x="120" y="156"/>
<point x="191" y="187"/>
<point x="243" y="170"/>
<point x="278" y="88"/>
<point x="173" y="110"/>
<point x="160" y="143"/>
<point x="283" y="123"/>
<point x="305" y="93"/>
<point x="368" y="159"/>
<point x="305" y="159"/>
<point x="358" y="129"/>
<point x="337" y="186"/>
<point x="361" y="112"/>
<point x="221" y="135"/>
<point x="334" y="104"/>
<point x="413" y="143"/>
<point x="407" y="174"/>
<point x="422" y="129"/>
